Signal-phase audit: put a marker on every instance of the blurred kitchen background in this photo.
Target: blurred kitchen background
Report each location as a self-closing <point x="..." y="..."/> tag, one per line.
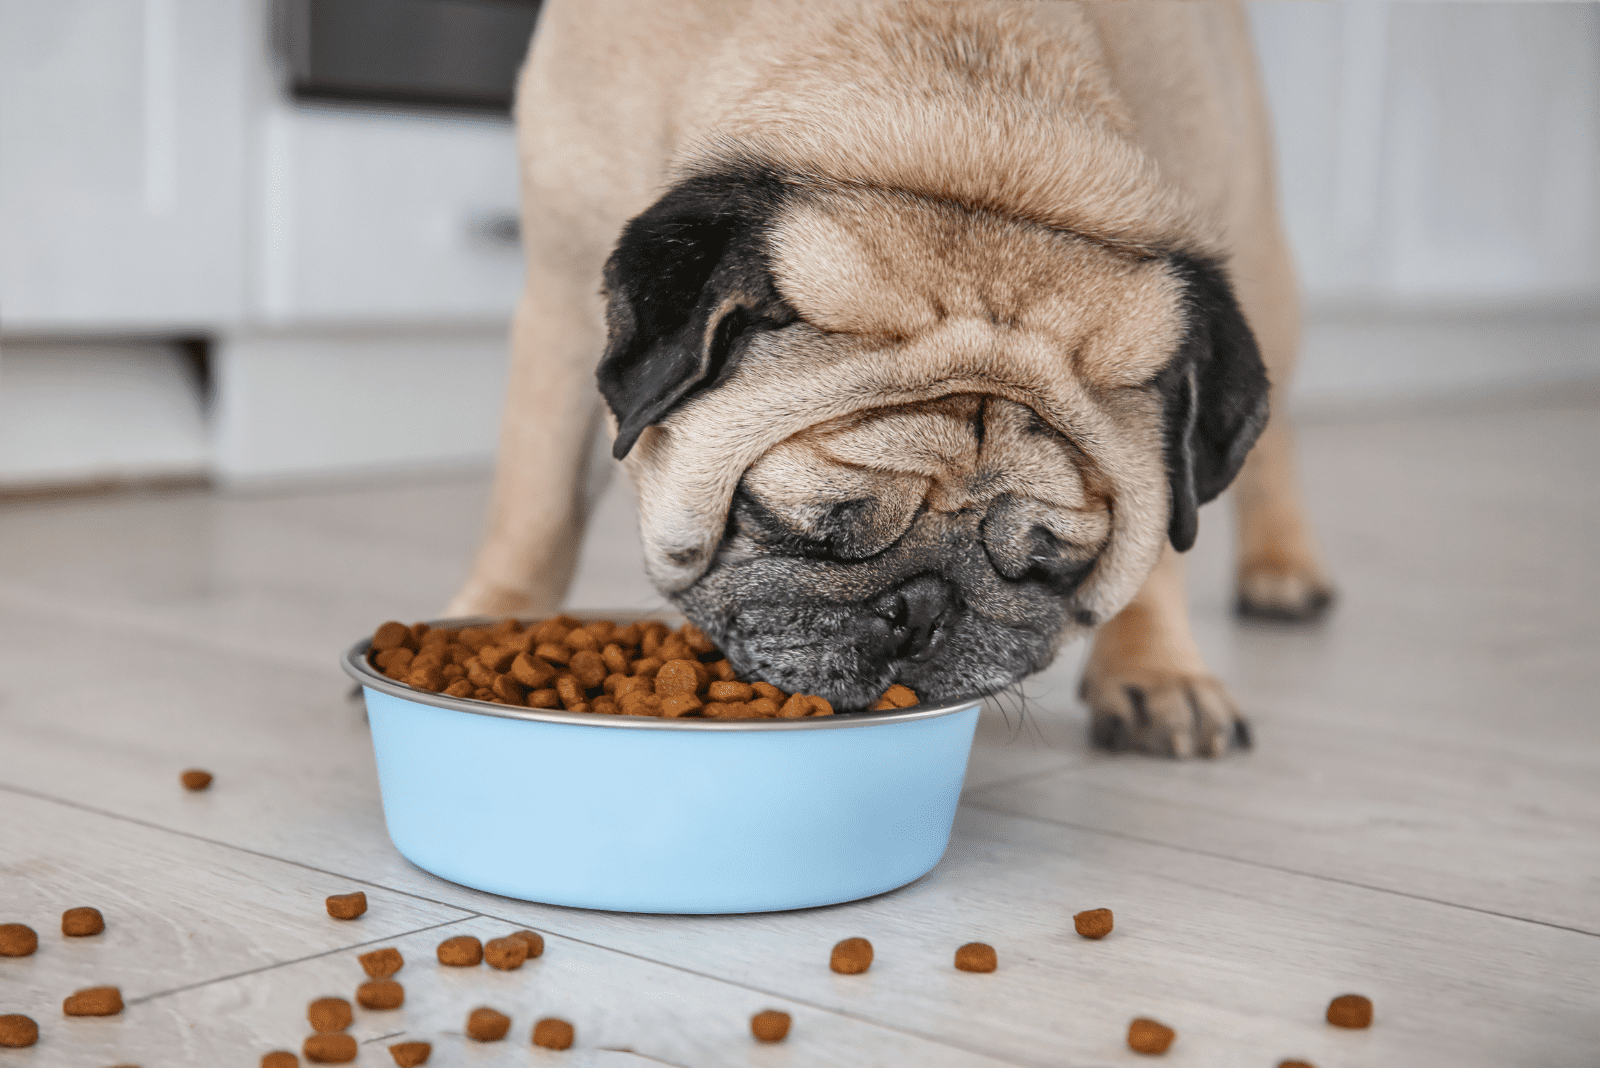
<point x="253" y="241"/>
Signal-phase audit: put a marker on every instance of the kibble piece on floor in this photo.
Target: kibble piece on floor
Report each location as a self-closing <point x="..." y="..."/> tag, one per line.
<point x="410" y="1054"/>
<point x="770" y="1025"/>
<point x="347" y="906"/>
<point x="1150" y="1037"/>
<point x="382" y="963"/>
<point x="487" y="1025"/>
<point x="535" y="942"/>
<point x="330" y="1049"/>
<point x="462" y="951"/>
<point x="195" y="779"/>
<point x="1296" y="1064"/>
<point x="17" y="940"/>
<point x="329" y="1014"/>
<point x="1095" y="923"/>
<point x="1350" y="1010"/>
<point x="851" y="957"/>
<point x="977" y="957"/>
<point x="279" y="1058"/>
<point x="380" y="994"/>
<point x="94" y="1001"/>
<point x="78" y="922"/>
<point x="551" y="1033"/>
<point x="507" y="954"/>
<point x="18" y="1031"/>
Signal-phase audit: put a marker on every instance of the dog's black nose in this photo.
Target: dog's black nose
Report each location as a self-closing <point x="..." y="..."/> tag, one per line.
<point x="915" y="613"/>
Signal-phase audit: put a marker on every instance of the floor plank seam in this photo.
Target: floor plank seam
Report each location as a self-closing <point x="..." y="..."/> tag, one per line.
<point x="1280" y="868"/>
<point x="1029" y="776"/>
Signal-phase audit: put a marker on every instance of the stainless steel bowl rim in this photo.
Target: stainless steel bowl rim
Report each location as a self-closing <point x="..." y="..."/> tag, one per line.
<point x="356" y="666"/>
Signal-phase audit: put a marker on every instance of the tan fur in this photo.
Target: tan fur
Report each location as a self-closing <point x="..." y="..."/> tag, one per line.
<point x="930" y="247"/>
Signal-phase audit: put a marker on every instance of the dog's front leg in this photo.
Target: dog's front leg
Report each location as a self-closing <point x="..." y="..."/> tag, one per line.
<point x="536" y="514"/>
<point x="1146" y="685"/>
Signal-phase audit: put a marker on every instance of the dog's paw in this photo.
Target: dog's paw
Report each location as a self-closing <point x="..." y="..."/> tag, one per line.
<point x="490" y="599"/>
<point x="1164" y="713"/>
<point x="1283" y="593"/>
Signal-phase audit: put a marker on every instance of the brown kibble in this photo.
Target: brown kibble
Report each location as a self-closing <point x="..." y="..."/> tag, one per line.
<point x="606" y="706"/>
<point x="460" y="688"/>
<point x="391" y="635"/>
<point x="535" y="942"/>
<point x="615" y="660"/>
<point x="551" y="630"/>
<point x="394" y="662"/>
<point x="675" y="648"/>
<point x="410" y="1054"/>
<point x="647" y="667"/>
<point x="329" y="1014"/>
<point x="896" y="696"/>
<point x="677" y="676"/>
<point x="722" y="670"/>
<point x="652" y="633"/>
<point x="1296" y="1064"/>
<point x="1147" y="1036"/>
<point x="977" y="957"/>
<point x="347" y="906"/>
<point x="731" y="691"/>
<point x="474" y="638"/>
<point x="571" y="694"/>
<point x="764" y="707"/>
<point x="498" y="657"/>
<point x="508" y="689"/>
<point x="195" y="779"/>
<point x="81" y="922"/>
<point x="581" y="706"/>
<point x="546" y="698"/>
<point x="628" y="636"/>
<point x="641" y="704"/>
<point x="795" y="707"/>
<point x="428" y="678"/>
<point x="696" y="639"/>
<point x="18" y="1031"/>
<point x="770" y="1025"/>
<point x="330" y="1049"/>
<point x="1350" y="1010"/>
<point x="380" y="994"/>
<point x="587" y="667"/>
<point x="1095" y="923"/>
<point x="487" y="1025"/>
<point x="17" y="940"/>
<point x="382" y="963"/>
<point x="279" y="1058"/>
<point x="851" y="957"/>
<point x="479" y="675"/>
<point x="552" y="1033"/>
<point x="94" y="1001"/>
<point x="820" y="706"/>
<point x="507" y="954"/>
<point x="556" y="654"/>
<point x="531" y="671"/>
<point x="626" y="685"/>
<point x="462" y="951"/>
<point x="726" y="710"/>
<point x="581" y="641"/>
<point x="767" y="690"/>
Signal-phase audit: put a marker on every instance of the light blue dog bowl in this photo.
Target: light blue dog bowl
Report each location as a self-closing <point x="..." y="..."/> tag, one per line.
<point x="635" y="814"/>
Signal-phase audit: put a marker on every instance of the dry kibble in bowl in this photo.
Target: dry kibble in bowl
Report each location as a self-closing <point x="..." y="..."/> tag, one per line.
<point x="462" y="951"/>
<point x="1149" y="1037"/>
<point x="487" y="1025"/>
<point x="770" y="1025"/>
<point x="330" y="1048"/>
<point x="507" y="954"/>
<point x="380" y="994"/>
<point x="279" y="1058"/>
<point x="329" y="1014"/>
<point x="851" y="957"/>
<point x="1350" y="1010"/>
<point x="977" y="957"/>
<point x="1095" y="923"/>
<point x="93" y="1001"/>
<point x="17" y="940"/>
<point x="382" y="963"/>
<point x="81" y="922"/>
<point x="195" y="779"/>
<point x="347" y="906"/>
<point x="410" y="1054"/>
<point x="18" y="1031"/>
<point x="551" y="1033"/>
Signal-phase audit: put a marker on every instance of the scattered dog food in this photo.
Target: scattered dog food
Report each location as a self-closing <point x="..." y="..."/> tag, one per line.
<point x="1350" y="1010"/>
<point x="382" y="963"/>
<point x="380" y="994"/>
<point x="507" y="954"/>
<point x="551" y="1033"/>
<point x="18" y="1031"/>
<point x="1095" y="923"/>
<point x="330" y="1048"/>
<point x="17" y="940"/>
<point x="195" y="779"/>
<point x="535" y="942"/>
<point x="977" y="957"/>
<point x="1296" y="1064"/>
<point x="851" y="957"/>
<point x="1149" y="1037"/>
<point x="770" y="1025"/>
<point x="410" y="1054"/>
<point x="462" y="951"/>
<point x="642" y="669"/>
<point x="94" y="1001"/>
<point x="329" y="1014"/>
<point x="347" y="906"/>
<point x="279" y="1058"/>
<point x="487" y="1025"/>
<point x="81" y="922"/>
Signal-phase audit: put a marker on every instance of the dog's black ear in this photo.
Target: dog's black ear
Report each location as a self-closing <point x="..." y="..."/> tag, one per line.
<point x="688" y="283"/>
<point x="1215" y="393"/>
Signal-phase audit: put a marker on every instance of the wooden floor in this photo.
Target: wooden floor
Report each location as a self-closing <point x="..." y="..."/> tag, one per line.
<point x="1419" y="822"/>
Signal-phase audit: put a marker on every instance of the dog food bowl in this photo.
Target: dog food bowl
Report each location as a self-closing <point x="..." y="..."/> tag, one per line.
<point x="636" y="814"/>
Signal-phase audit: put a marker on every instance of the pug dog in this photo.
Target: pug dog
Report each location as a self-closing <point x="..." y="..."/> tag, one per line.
<point x="923" y="332"/>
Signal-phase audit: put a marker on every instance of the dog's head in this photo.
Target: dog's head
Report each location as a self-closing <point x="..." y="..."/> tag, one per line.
<point x="879" y="437"/>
